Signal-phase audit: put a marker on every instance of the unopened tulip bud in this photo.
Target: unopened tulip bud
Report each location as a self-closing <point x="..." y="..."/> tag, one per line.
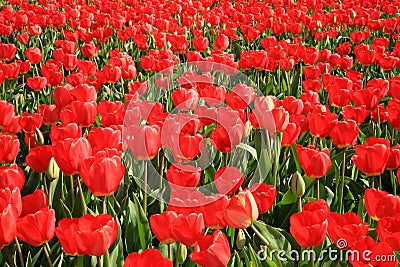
<point x="298" y="185"/>
<point x="247" y="128"/>
<point x="53" y="170"/>
<point x="181" y="253"/>
<point x="39" y="139"/>
<point x="240" y="239"/>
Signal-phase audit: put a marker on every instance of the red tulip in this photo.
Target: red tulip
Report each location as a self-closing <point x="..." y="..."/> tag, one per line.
<point x="388" y="231"/>
<point x="264" y="195"/>
<point x="161" y="226"/>
<point x="10" y="207"/>
<point x="59" y="133"/>
<point x="213" y="95"/>
<point x="37" y="228"/>
<point x="183" y="175"/>
<point x="148" y="258"/>
<point x="39" y="157"/>
<point x="281" y="118"/>
<point x="309" y="227"/>
<point x="290" y="134"/>
<point x="144" y="141"/>
<point x="112" y="113"/>
<point x="368" y="252"/>
<point x="50" y="113"/>
<point x="11" y="176"/>
<point x="213" y="211"/>
<point x="34" y="55"/>
<point x="200" y="43"/>
<point x="7" y="112"/>
<point x="103" y="138"/>
<point x="315" y="163"/>
<point x="394" y="158"/>
<point x="34" y="202"/>
<point x="228" y="180"/>
<point x="84" y="112"/>
<point x="358" y="114"/>
<point x="372" y="157"/>
<point x="185" y="99"/>
<point x="221" y="42"/>
<point x="70" y="61"/>
<point x="188" y="229"/>
<point x="87" y="235"/>
<point x="70" y="154"/>
<point x="7" y="51"/>
<point x="321" y="123"/>
<point x="241" y="211"/>
<point x="9" y="148"/>
<point x="347" y="226"/>
<point x="212" y="250"/>
<point x="320" y="204"/>
<point x="380" y="204"/>
<point x="29" y="122"/>
<point x="103" y="172"/>
<point x="344" y="134"/>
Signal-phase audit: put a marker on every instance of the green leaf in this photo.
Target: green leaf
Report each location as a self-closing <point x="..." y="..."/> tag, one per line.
<point x="288" y="198"/>
<point x="273" y="235"/>
<point x="249" y="149"/>
<point x="143" y="225"/>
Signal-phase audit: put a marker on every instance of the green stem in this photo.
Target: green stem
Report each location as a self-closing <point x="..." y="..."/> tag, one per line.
<point x="394" y="183"/>
<point x="82" y="197"/>
<point x="317" y="191"/>
<point x="21" y="257"/>
<point x="342" y="182"/>
<point x="145" y="188"/>
<point x="47" y="252"/>
<point x="104" y="204"/>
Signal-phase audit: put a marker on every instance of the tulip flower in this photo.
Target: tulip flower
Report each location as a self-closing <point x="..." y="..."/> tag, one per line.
<point x="228" y="180"/>
<point x="39" y="157"/>
<point x="161" y="226"/>
<point x="371" y="252"/>
<point x="376" y="150"/>
<point x="11" y="176"/>
<point x="103" y="172"/>
<point x="347" y="226"/>
<point x="309" y="227"/>
<point x="10" y="208"/>
<point x="344" y="134"/>
<point x="148" y="258"/>
<point x="241" y="211"/>
<point x="212" y="250"/>
<point x="264" y="195"/>
<point x="70" y="154"/>
<point x="9" y="148"/>
<point x="380" y="204"/>
<point x="188" y="229"/>
<point x="315" y="163"/>
<point x="87" y="235"/>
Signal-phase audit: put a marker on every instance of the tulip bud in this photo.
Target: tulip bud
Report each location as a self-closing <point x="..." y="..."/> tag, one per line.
<point x="319" y="24"/>
<point x="181" y="253"/>
<point x="39" y="139"/>
<point x="298" y="185"/>
<point x="53" y="170"/>
<point x="240" y="239"/>
<point x="247" y="128"/>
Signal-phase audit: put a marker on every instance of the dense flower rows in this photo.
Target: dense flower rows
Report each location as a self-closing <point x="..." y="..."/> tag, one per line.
<point x="212" y="132"/>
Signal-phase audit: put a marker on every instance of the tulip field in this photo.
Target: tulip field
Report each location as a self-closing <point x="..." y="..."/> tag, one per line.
<point x="209" y="133"/>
